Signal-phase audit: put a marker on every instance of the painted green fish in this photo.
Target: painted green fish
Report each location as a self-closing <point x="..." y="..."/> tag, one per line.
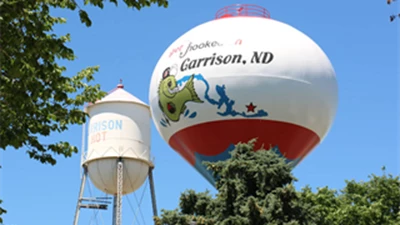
<point x="172" y="99"/>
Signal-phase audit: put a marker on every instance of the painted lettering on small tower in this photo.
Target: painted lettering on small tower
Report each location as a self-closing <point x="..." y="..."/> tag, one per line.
<point x="98" y="130"/>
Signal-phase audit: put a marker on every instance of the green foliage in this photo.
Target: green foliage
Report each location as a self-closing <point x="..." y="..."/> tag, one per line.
<point x="195" y="203"/>
<point x="2" y="211"/>
<point x="325" y="203"/>
<point x="254" y="187"/>
<point x="376" y="201"/>
<point x="37" y="98"/>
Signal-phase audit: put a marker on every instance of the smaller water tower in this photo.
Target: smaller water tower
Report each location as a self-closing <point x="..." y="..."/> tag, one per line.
<point x="117" y="157"/>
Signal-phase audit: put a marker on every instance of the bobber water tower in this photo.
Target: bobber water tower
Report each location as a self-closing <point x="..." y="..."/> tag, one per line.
<point x="241" y="76"/>
<point x="117" y="157"/>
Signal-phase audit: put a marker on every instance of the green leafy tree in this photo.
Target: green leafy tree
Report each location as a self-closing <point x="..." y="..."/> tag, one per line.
<point x="376" y="201"/>
<point x="37" y="98"/>
<point x="254" y="188"/>
<point x="2" y="211"/>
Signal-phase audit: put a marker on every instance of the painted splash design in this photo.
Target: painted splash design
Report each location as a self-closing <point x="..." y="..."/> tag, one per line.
<point x="224" y="99"/>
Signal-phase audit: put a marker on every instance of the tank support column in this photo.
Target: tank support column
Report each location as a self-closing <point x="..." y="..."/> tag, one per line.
<point x="117" y="209"/>
<point x="114" y="216"/>
<point x="152" y="191"/>
<point x="82" y="188"/>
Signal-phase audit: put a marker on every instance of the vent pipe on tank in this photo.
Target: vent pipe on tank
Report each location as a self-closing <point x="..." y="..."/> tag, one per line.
<point x="242" y="10"/>
<point x="120" y="85"/>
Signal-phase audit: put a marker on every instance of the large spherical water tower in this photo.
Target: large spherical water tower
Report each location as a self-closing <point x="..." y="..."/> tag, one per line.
<point x="239" y="77"/>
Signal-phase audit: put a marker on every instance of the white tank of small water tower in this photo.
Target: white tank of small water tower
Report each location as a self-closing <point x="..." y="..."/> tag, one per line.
<point x="119" y="128"/>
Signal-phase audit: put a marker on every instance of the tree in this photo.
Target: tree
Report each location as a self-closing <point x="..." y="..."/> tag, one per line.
<point x="2" y="211"/>
<point x="376" y="201"/>
<point x="393" y="16"/>
<point x="36" y="97"/>
<point x="254" y="188"/>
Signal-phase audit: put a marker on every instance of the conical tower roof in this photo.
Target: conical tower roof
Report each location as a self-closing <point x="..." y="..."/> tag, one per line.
<point x="119" y="94"/>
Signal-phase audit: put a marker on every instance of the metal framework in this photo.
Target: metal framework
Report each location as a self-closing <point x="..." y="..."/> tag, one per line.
<point x="242" y="10"/>
<point x="98" y="202"/>
<point x="152" y="191"/>
<point x="103" y="202"/>
<point x="120" y="180"/>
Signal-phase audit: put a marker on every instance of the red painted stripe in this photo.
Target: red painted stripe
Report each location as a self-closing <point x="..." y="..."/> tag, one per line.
<point x="212" y="138"/>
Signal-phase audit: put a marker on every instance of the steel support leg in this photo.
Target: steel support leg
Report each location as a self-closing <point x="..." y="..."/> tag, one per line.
<point x="82" y="188"/>
<point x="114" y="216"/>
<point x="152" y="191"/>
<point x="117" y="209"/>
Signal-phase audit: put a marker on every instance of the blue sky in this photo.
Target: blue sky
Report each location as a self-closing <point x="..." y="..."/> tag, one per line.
<point x="357" y="37"/>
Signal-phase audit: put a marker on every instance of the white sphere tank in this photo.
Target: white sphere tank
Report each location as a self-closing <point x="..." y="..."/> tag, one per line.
<point x="119" y="127"/>
<point x="239" y="77"/>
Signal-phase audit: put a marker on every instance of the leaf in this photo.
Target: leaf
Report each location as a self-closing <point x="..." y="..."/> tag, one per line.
<point x="85" y="18"/>
<point x="2" y="211"/>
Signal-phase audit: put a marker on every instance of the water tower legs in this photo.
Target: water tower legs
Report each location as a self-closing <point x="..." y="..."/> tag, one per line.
<point x="102" y="202"/>
<point x="114" y="216"/>
<point x="82" y="188"/>
<point x="99" y="203"/>
<point x="152" y="191"/>
<point x="117" y="208"/>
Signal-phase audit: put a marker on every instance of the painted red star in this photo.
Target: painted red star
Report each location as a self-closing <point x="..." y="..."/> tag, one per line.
<point x="251" y="107"/>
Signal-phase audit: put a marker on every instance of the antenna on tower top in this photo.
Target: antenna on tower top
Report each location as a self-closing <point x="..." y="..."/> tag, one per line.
<point x="120" y="85"/>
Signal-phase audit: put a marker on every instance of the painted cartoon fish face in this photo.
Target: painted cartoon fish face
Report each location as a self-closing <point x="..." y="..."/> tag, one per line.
<point x="169" y="87"/>
<point x="172" y="99"/>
